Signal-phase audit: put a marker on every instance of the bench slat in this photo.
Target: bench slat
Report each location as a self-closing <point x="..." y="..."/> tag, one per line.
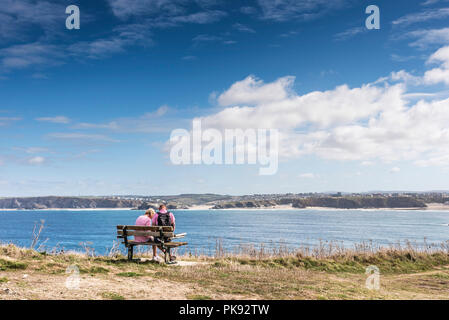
<point x="167" y="244"/>
<point x="145" y="233"/>
<point x="145" y="228"/>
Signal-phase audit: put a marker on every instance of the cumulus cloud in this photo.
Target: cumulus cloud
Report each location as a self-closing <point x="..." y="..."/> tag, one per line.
<point x="406" y="77"/>
<point x="276" y="105"/>
<point x="440" y="74"/>
<point x="253" y="91"/>
<point x="374" y="122"/>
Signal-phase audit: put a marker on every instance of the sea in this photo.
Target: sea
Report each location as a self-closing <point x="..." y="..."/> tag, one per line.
<point x="210" y="231"/>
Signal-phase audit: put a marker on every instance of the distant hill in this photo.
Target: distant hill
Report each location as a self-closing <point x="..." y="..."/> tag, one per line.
<point x="345" y="202"/>
<point x="215" y="201"/>
<point x="65" y="203"/>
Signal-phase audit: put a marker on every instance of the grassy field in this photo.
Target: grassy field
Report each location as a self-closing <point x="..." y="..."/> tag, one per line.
<point x="322" y="273"/>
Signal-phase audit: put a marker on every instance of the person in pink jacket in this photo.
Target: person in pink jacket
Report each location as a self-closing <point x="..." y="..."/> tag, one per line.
<point x="146" y="220"/>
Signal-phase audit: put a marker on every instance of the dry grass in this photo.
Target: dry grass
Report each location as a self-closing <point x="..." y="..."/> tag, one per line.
<point x="326" y="272"/>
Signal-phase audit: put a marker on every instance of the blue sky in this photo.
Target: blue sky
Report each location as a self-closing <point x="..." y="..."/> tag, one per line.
<point x="90" y="111"/>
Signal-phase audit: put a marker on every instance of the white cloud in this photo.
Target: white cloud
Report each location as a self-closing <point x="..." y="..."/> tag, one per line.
<point x="149" y="122"/>
<point x="253" y="91"/>
<point x="167" y="13"/>
<point x="31" y="54"/>
<point x="19" y="16"/>
<point x="31" y="150"/>
<point x="440" y="74"/>
<point x="81" y="136"/>
<point x="36" y="160"/>
<point x="127" y="8"/>
<point x="275" y="105"/>
<point x="243" y="28"/>
<point x="57" y="119"/>
<point x="189" y="58"/>
<point x="284" y="10"/>
<point x="406" y="77"/>
<point x="395" y="170"/>
<point x="307" y="176"/>
<point x="8" y="120"/>
<point x="350" y="33"/>
<point x="374" y="122"/>
<point x="430" y="2"/>
<point x="423" y="16"/>
<point x="207" y="38"/>
<point x="428" y="37"/>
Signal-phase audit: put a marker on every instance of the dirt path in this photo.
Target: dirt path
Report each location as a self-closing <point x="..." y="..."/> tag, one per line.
<point x="44" y="286"/>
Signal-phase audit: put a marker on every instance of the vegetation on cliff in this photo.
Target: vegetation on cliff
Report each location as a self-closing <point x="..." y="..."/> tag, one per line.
<point x="329" y="202"/>
<point x="65" y="202"/>
<point x="222" y="201"/>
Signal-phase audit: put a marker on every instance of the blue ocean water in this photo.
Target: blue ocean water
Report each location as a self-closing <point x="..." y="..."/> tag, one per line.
<point x="294" y="228"/>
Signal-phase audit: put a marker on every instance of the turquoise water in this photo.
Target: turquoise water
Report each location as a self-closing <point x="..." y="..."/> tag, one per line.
<point x="295" y="228"/>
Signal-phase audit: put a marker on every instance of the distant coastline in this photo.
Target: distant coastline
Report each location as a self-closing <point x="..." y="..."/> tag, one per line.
<point x="430" y="207"/>
<point x="226" y="202"/>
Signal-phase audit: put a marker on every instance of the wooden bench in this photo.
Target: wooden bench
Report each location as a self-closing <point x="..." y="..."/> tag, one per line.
<point x="165" y="234"/>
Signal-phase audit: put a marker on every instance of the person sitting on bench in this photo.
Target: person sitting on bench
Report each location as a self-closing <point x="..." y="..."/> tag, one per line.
<point x="164" y="218"/>
<point x="147" y="220"/>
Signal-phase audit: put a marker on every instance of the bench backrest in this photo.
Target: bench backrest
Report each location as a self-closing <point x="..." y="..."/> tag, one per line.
<point x="142" y="231"/>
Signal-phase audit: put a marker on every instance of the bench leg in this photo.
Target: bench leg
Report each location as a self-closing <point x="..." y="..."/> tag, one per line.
<point x="130" y="252"/>
<point x="167" y="255"/>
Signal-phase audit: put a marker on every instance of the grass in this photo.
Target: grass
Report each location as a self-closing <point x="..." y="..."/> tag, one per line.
<point x="129" y="274"/>
<point x="390" y="262"/>
<point x="98" y="269"/>
<point x="406" y="272"/>
<point x="442" y="276"/>
<point x="3" y="279"/>
<point x="11" y="265"/>
<point x="112" y="296"/>
<point x="198" y="297"/>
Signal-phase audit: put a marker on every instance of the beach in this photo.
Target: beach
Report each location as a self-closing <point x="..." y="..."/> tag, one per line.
<point x="430" y="206"/>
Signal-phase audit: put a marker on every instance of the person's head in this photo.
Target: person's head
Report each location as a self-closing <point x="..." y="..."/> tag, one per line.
<point x="162" y="207"/>
<point x="150" y="212"/>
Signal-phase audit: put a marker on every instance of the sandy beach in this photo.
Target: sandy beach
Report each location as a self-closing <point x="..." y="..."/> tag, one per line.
<point x="437" y="206"/>
<point x="279" y="207"/>
<point x="430" y="206"/>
